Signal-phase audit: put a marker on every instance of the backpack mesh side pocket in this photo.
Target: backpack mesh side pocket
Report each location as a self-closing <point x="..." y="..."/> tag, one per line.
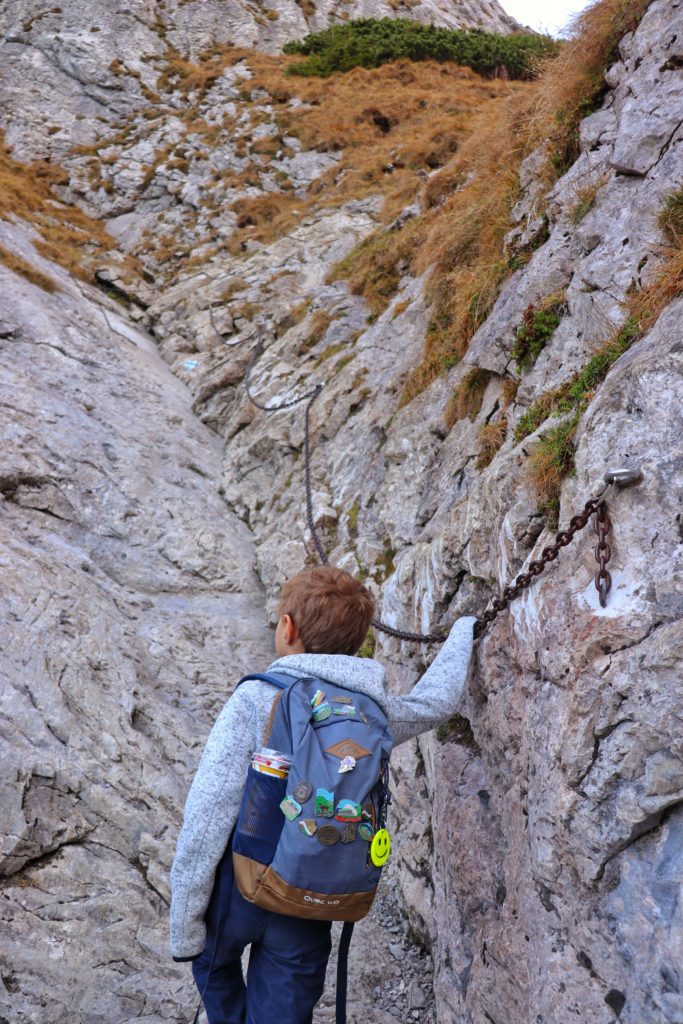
<point x="261" y="821"/>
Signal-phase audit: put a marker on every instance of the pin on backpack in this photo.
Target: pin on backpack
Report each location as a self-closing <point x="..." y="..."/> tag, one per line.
<point x="311" y="838"/>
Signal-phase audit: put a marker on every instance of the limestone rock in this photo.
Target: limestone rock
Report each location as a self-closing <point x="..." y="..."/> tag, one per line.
<point x="129" y="607"/>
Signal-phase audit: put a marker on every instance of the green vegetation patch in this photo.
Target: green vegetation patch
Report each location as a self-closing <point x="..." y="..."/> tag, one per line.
<point x="537" y="327"/>
<point x="370" y="42"/>
<point x="579" y="389"/>
<point x="553" y="456"/>
<point x="367" y="649"/>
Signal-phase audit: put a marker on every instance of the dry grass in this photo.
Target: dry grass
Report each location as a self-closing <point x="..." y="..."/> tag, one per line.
<point x="510" y="386"/>
<point x="585" y="197"/>
<point x="491" y="438"/>
<point x="386" y="124"/>
<point x="21" y="266"/>
<point x="69" y="236"/>
<point x="373" y="267"/>
<point x="670" y="219"/>
<point x="265" y="218"/>
<point x="467" y="215"/>
<point x="467" y="398"/>
<point x="320" y="322"/>
<point x="551" y="460"/>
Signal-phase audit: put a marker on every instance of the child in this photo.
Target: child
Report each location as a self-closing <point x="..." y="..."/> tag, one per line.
<point x="323" y="617"/>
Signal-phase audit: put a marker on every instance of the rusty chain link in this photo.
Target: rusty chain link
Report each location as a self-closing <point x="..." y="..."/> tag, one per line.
<point x="594" y="506"/>
<point x="603" y="553"/>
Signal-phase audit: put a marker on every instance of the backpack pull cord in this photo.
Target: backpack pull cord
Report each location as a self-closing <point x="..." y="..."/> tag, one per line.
<point x="342" y="971"/>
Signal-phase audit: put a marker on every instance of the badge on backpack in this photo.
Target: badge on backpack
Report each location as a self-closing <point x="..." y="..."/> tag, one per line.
<point x="291" y="808"/>
<point x="366" y="831"/>
<point x="321" y="712"/>
<point x="348" y="833"/>
<point x="328" y="835"/>
<point x="348" y="810"/>
<point x="324" y="803"/>
<point x="302" y="791"/>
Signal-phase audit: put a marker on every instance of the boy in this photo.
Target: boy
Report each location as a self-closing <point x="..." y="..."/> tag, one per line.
<point x="323" y="617"/>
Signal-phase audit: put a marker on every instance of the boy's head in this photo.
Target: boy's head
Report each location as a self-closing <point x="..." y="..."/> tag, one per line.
<point x="323" y="611"/>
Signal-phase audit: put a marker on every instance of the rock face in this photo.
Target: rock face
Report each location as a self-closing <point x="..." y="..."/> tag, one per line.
<point x="129" y="607"/>
<point x="539" y="837"/>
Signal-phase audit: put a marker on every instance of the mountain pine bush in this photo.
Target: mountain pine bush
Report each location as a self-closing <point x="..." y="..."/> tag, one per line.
<point x="369" y="42"/>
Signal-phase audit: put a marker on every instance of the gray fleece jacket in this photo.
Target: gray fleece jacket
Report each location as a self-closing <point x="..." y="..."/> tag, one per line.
<point x="214" y="799"/>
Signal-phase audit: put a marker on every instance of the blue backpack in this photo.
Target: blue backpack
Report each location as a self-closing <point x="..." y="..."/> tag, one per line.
<point x="313" y="844"/>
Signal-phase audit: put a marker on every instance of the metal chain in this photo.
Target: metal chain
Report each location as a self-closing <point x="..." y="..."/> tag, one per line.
<point x="603" y="553"/>
<point x="549" y="554"/>
<point x="594" y="506"/>
<point x="310" y="395"/>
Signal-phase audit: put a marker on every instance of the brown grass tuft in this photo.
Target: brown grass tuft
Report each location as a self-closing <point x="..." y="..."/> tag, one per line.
<point x="467" y="206"/>
<point x="491" y="438"/>
<point x="69" y="236"/>
<point x="467" y="398"/>
<point x="19" y="265"/>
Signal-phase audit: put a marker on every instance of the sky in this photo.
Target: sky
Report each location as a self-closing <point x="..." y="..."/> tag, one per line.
<point x="544" y="15"/>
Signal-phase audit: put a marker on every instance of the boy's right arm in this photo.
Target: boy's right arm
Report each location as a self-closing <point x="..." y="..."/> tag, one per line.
<point x="210" y="814"/>
<point x="438" y="694"/>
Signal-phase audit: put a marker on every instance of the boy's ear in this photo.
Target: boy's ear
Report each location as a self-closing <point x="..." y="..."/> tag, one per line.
<point x="290" y="633"/>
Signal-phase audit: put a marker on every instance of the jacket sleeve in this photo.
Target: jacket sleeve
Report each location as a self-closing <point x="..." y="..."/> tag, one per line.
<point x="437" y="695"/>
<point x="211" y="810"/>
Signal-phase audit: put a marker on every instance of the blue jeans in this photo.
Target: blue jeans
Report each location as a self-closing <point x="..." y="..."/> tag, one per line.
<point x="287" y="962"/>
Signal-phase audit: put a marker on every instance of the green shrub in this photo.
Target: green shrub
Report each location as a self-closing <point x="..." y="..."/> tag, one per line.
<point x="577" y="392"/>
<point x="532" y="335"/>
<point x="369" y="42"/>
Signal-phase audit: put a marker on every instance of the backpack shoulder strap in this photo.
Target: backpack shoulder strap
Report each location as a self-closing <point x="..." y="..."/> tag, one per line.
<point x="278" y="679"/>
<point x="283" y="682"/>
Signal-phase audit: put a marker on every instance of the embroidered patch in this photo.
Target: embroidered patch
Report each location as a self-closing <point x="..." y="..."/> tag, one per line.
<point x="348" y="748"/>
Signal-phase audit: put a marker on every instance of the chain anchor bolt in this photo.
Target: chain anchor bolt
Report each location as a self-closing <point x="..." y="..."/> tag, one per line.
<point x="623" y="476"/>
